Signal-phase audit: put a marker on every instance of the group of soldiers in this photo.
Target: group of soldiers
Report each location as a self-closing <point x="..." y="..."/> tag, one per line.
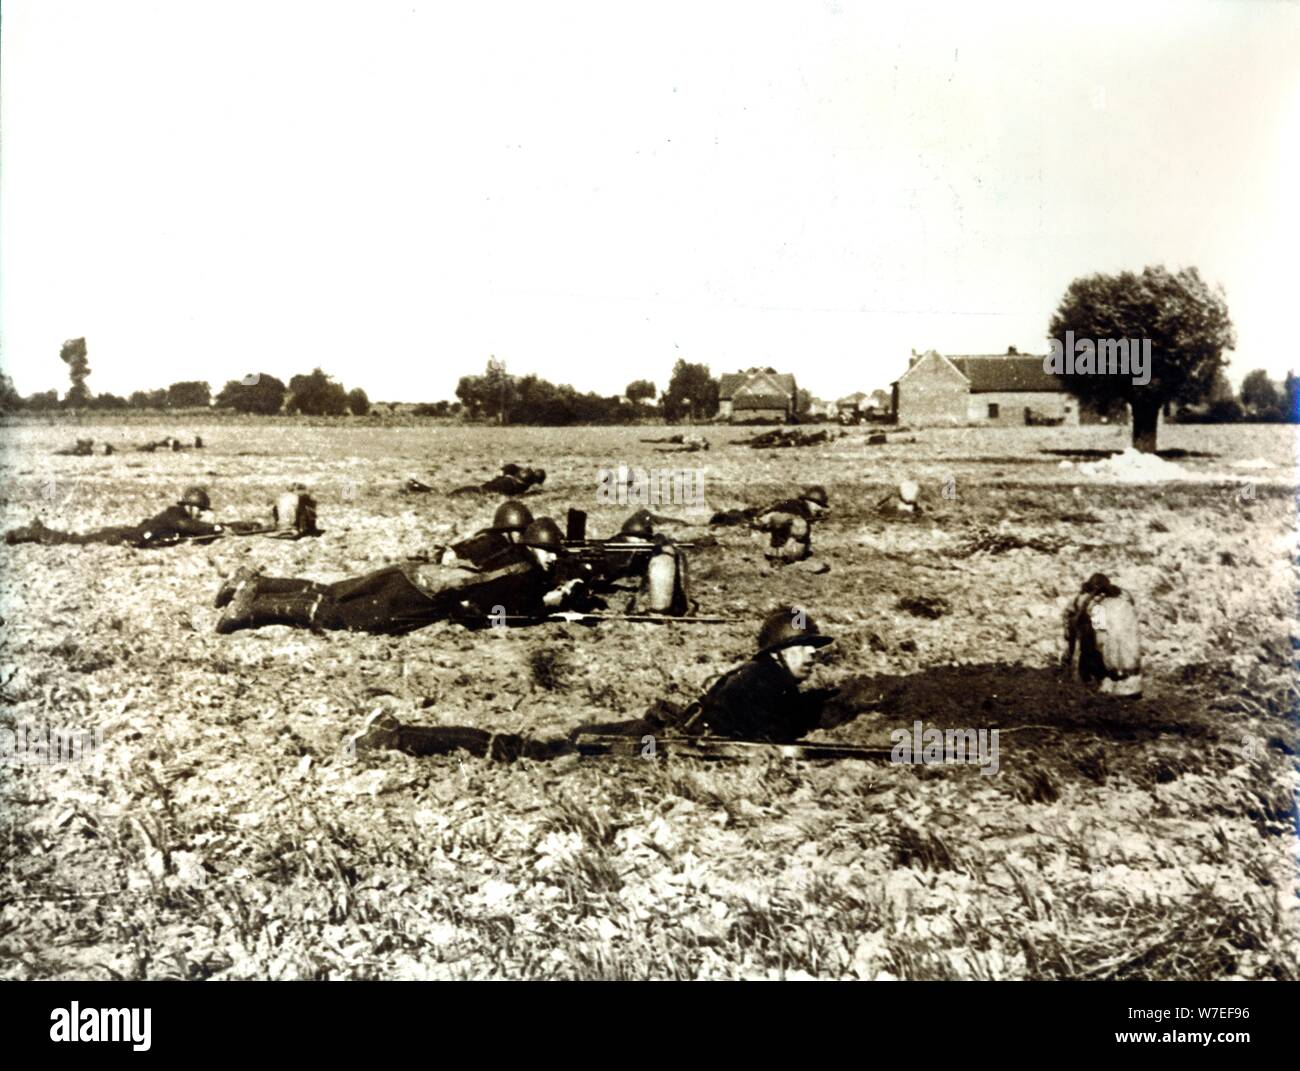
<point x="523" y="569"/>
<point x="86" y="447"/>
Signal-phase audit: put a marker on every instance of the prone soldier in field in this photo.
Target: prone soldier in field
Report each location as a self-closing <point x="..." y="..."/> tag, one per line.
<point x="519" y="584"/>
<point x="189" y="518"/>
<point x="487" y="545"/>
<point x="1101" y="622"/>
<point x="85" y="449"/>
<point x="759" y="700"/>
<point x="514" y="480"/>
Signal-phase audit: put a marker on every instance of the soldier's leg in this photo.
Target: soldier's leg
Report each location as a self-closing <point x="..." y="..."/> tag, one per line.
<point x="384" y="601"/>
<point x="382" y="731"/>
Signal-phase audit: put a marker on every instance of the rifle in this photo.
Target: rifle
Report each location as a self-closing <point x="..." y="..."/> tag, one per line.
<point x="574" y="616"/>
<point x="211" y="537"/>
<point x="716" y="747"/>
<point x="598" y="545"/>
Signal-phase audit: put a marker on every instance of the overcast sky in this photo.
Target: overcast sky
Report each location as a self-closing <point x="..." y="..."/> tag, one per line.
<point x="395" y="191"/>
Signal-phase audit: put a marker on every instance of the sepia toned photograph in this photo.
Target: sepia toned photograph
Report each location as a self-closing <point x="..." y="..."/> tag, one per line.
<point x="649" y="492"/>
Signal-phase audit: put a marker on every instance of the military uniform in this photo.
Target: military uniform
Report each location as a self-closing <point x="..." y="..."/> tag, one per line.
<point x="162" y="529"/>
<point x="1101" y="621"/>
<point x="399" y="598"/>
<point x="788" y="524"/>
<point x="758" y="701"/>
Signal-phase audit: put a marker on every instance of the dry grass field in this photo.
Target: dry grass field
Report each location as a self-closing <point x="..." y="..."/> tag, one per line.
<point x="221" y="833"/>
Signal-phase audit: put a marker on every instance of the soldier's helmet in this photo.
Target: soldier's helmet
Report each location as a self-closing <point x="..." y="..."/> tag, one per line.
<point x="536" y="476"/>
<point x="639" y="524"/>
<point x="543" y="533"/>
<point x="512" y="516"/>
<point x="197" y="497"/>
<point x="1099" y="584"/>
<point x="789" y="626"/>
<point x="817" y="493"/>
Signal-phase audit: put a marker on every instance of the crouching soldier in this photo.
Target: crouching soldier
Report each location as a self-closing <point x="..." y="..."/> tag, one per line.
<point x="410" y="595"/>
<point x="1102" y="623"/>
<point x="789" y="524"/>
<point x="189" y="518"/>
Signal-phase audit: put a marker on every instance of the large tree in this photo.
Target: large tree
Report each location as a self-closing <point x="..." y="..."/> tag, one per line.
<point x="189" y="394"/>
<point x="317" y="395"/>
<point x="638" y="389"/>
<point x="10" y="399"/>
<point x="73" y="354"/>
<point x="1185" y="320"/>
<point x="1260" y="396"/>
<point x="691" y="392"/>
<point x="259" y="393"/>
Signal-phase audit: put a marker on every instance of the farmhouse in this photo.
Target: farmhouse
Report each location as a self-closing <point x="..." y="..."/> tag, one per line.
<point x="998" y="389"/>
<point x="760" y="395"/>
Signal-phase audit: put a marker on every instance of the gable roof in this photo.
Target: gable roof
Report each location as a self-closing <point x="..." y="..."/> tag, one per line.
<point x="919" y="361"/>
<point x="1001" y="372"/>
<point x="773" y="389"/>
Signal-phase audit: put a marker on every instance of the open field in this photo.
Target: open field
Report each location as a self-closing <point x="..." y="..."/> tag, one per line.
<point x="223" y="835"/>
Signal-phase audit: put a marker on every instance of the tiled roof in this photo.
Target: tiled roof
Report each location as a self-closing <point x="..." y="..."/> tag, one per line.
<point x="1000" y="372"/>
<point x="738" y="385"/>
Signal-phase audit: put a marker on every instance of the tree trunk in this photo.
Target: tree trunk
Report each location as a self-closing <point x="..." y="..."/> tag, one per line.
<point x="1146" y="423"/>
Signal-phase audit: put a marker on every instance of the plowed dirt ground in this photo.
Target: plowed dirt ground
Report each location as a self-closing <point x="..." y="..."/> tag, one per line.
<point x="221" y="833"/>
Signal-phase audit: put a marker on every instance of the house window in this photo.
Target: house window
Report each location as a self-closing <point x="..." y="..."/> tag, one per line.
<point x="993" y="410"/>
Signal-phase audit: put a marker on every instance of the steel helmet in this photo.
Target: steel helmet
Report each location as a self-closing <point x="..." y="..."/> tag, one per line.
<point x="789" y="626"/>
<point x="817" y="493"/>
<point x="639" y="524"/>
<point x="512" y="516"/>
<point x="196" y="496"/>
<point x="543" y="533"/>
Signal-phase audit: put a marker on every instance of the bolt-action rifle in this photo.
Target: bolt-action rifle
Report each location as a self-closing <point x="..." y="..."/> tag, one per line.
<point x="716" y="747"/>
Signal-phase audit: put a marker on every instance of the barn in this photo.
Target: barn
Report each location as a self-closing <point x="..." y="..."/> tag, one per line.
<point x="759" y="396"/>
<point x="997" y="389"/>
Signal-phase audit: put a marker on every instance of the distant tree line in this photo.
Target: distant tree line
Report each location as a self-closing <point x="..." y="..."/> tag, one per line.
<point x="313" y="394"/>
<point x="1260" y="400"/>
<point x="500" y="398"/>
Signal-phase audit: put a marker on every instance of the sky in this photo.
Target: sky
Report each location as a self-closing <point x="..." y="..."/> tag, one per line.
<point x="395" y="192"/>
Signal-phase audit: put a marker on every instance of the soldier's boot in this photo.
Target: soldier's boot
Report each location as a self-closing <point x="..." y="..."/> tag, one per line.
<point x="226" y="594"/>
<point x="249" y="609"/>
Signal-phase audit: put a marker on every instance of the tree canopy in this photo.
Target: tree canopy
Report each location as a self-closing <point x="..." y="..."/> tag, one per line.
<point x="1185" y="320"/>
<point x="260" y="393"/>
<point x="691" y="392"/>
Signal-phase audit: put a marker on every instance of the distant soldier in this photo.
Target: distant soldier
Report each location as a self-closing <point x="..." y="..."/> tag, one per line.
<point x="170" y="443"/>
<point x="514" y="480"/>
<point x="186" y="519"/>
<point x="83" y="448"/>
<point x="410" y="595"/>
<point x="904" y="501"/>
<point x="759" y="700"/>
<point x="1102" y="623"/>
